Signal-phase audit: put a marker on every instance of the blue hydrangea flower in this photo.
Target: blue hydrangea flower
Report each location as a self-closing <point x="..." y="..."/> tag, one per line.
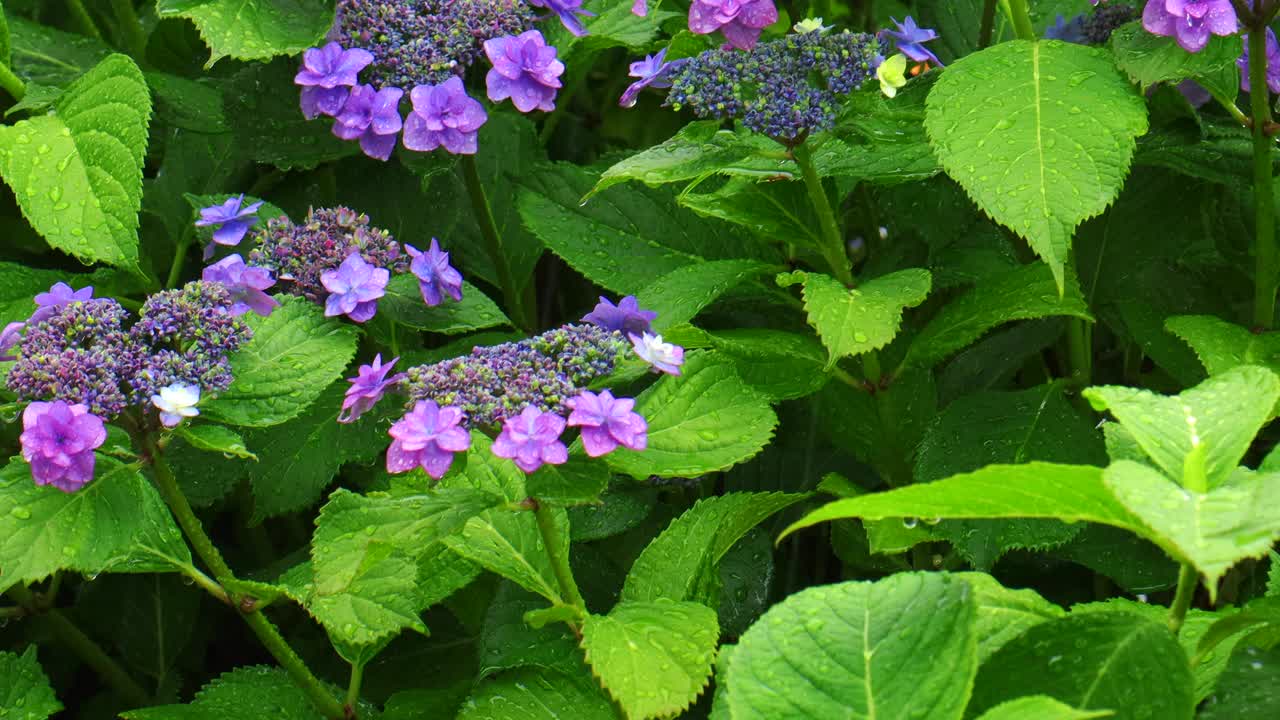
<point x="372" y="117"/>
<point x="354" y="288"/>
<point x="230" y="221"/>
<point x="625" y="317"/>
<point x="910" y="39"/>
<point x="327" y="74"/>
<point x="47" y="303"/>
<point x="568" y="11"/>
<point x="525" y="69"/>
<point x="653" y="71"/>
<point x="434" y="273"/>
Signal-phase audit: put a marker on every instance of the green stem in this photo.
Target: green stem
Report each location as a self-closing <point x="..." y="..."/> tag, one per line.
<point x="127" y="19"/>
<point x="83" y="19"/>
<point x="1020" y="16"/>
<point x="1080" y="352"/>
<point x="12" y="612"/>
<point x="180" y="257"/>
<point x="557" y="552"/>
<point x="353" y="687"/>
<point x="261" y="626"/>
<point x="833" y="249"/>
<point x="85" y="648"/>
<point x="11" y="83"/>
<point x="395" y="339"/>
<point x="493" y="242"/>
<point x="1188" y="578"/>
<point x="1266" y="257"/>
<point x="988" y="23"/>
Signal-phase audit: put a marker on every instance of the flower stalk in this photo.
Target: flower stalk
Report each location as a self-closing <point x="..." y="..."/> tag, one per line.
<point x="493" y="243"/>
<point x="832" y="239"/>
<point x="11" y="83"/>
<point x="1020" y="16"/>
<point x="1266" y="257"/>
<point x="557" y="553"/>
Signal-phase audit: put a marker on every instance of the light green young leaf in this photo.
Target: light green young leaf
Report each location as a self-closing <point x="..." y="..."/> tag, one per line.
<point x="532" y="693"/>
<point x="215" y="438"/>
<point x="655" y="657"/>
<point x="681" y="294"/>
<point x="1022" y="294"/>
<point x="25" y="693"/>
<point x="87" y="155"/>
<point x="1106" y="654"/>
<point x="1213" y="530"/>
<point x="1040" y="707"/>
<point x="683" y="562"/>
<point x="253" y="29"/>
<point x="294" y="355"/>
<point x="1004" y="614"/>
<point x="404" y="304"/>
<point x="860" y="651"/>
<point x="1046" y="148"/>
<point x="704" y="420"/>
<point x="1221" y="346"/>
<point x="241" y="693"/>
<point x="859" y="320"/>
<point x="1216" y="419"/>
<point x="105" y="526"/>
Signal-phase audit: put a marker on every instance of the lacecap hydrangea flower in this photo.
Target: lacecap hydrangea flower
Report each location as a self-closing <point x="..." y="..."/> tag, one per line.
<point x="11" y="335"/>
<point x="568" y="11"/>
<point x="607" y="422"/>
<point x="427" y="436"/>
<point x="663" y="356"/>
<point x="910" y="38"/>
<point x="653" y="71"/>
<point x="58" y="440"/>
<point x="436" y="277"/>
<point x="625" y="317"/>
<point x="176" y="403"/>
<point x="327" y="76"/>
<point x="532" y="439"/>
<point x="740" y="21"/>
<point x="367" y="388"/>
<point x="245" y="284"/>
<point x="525" y="69"/>
<point x="1190" y="22"/>
<point x="230" y="221"/>
<point x="354" y="288"/>
<point x="48" y="302"/>
<point x="373" y="118"/>
<point x="444" y="116"/>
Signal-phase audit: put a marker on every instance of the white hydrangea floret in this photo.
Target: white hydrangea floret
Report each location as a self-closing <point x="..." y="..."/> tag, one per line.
<point x="176" y="402"/>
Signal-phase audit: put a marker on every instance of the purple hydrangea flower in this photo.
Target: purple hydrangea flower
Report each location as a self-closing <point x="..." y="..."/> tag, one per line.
<point x="663" y="356"/>
<point x="653" y="71"/>
<point x="427" y="437"/>
<point x="57" y="296"/>
<point x="531" y="439"/>
<point x="1190" y="22"/>
<point x="230" y="220"/>
<point x="434" y="273"/>
<point x="740" y="20"/>
<point x="640" y="8"/>
<point x="910" y="39"/>
<point x="607" y="422"/>
<point x="367" y="388"/>
<point x="626" y="316"/>
<point x="525" y="69"/>
<point x="568" y="10"/>
<point x="326" y="75"/>
<point x="245" y="283"/>
<point x="372" y="117"/>
<point x="58" y="440"/>
<point x="1195" y="93"/>
<point x="354" y="288"/>
<point x="11" y="335"/>
<point x="444" y="115"/>
<point x="1273" y="63"/>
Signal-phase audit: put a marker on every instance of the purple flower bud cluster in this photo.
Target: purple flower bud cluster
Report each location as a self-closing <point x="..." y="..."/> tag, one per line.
<point x="299" y="254"/>
<point x="495" y="383"/>
<point x="185" y="336"/>
<point x="1097" y="26"/>
<point x="785" y="88"/>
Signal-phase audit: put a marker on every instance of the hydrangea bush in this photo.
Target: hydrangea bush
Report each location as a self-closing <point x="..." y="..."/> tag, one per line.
<point x="632" y="359"/>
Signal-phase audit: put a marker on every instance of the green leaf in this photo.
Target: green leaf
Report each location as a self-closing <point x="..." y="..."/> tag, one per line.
<point x="1114" y="661"/>
<point x="1044" y="150"/>
<point x="681" y="294"/>
<point x="1004" y="614"/>
<point x="704" y="420"/>
<point x="782" y="365"/>
<point x="24" y="689"/>
<point x="1222" y="346"/>
<point x="1015" y="427"/>
<point x="769" y="209"/>
<point x="6" y="45"/>
<point x="403" y="303"/>
<point x="536" y="694"/>
<point x="862" y="319"/>
<point x="621" y="508"/>
<point x="294" y="355"/>
<point x="615" y="25"/>
<point x="215" y="438"/>
<point x="149" y="618"/>
<point x="655" y="657"/>
<point x="1200" y="435"/>
<point x="1021" y="294"/>
<point x="18" y="286"/>
<point x="1149" y="59"/>
<point x="1211" y="530"/>
<point x="1040" y="707"/>
<point x="576" y="482"/>
<point x="87" y="155"/>
<point x="1248" y="686"/>
<point x="507" y="641"/>
<point x="46" y="56"/>
<point x="253" y="29"/>
<point x="683" y="562"/>
<point x="109" y="525"/>
<point x="860" y="651"/>
<point x="627" y="238"/>
<point x="243" y="692"/>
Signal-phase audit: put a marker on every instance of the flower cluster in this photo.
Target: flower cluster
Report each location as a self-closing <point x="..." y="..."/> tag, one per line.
<point x="786" y="88"/>
<point x="1092" y="28"/>
<point x="186" y="336"/>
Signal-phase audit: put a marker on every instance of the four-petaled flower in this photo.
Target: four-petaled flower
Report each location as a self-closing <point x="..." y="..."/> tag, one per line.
<point x="568" y="10"/>
<point x="892" y="74"/>
<point x="230" y="220"/>
<point x="326" y="75"/>
<point x="626" y="316"/>
<point x="910" y="39"/>
<point x="531" y="439"/>
<point x="443" y="115"/>
<point x="653" y="71"/>
<point x="1190" y="22"/>
<point x="367" y="388"/>
<point x="354" y="288"/>
<point x="58" y="440"/>
<point x="427" y="437"/>
<point x="245" y="283"/>
<point x="372" y="117"/>
<point x="740" y="20"/>
<point x="607" y="422"/>
<point x="434" y="273"/>
<point x="57" y="296"/>
<point x="1273" y="63"/>
<point x="11" y="335"/>
<point x="663" y="356"/>
<point x="176" y="402"/>
<point x="525" y="69"/>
